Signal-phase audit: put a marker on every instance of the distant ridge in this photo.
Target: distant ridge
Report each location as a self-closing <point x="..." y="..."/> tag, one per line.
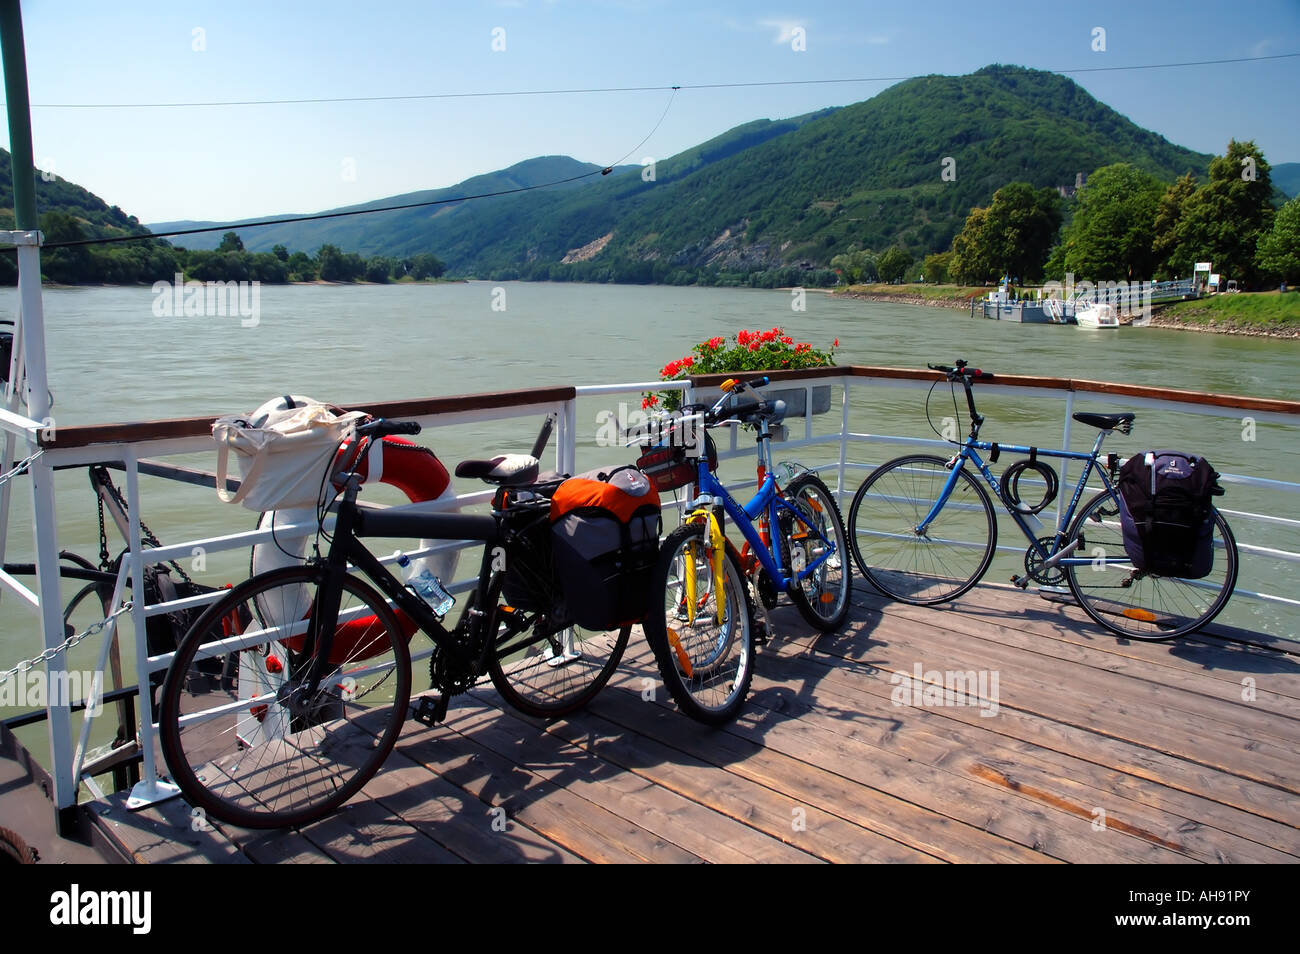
<point x="765" y="194"/>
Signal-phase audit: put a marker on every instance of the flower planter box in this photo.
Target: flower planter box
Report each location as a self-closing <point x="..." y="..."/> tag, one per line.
<point x="795" y="399"/>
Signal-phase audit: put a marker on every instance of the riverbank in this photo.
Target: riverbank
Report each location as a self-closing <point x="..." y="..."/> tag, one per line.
<point x="1258" y="314"/>
<point x="932" y="296"/>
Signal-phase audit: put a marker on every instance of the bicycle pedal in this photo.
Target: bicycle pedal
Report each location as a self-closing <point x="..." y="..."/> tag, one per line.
<point x="430" y="710"/>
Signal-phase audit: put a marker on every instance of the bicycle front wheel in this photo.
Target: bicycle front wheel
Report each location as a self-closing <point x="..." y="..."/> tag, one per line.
<point x="243" y="736"/>
<point x="702" y="634"/>
<point x="1132" y="602"/>
<point x="926" y="568"/>
<point x="551" y="674"/>
<point x="822" y="597"/>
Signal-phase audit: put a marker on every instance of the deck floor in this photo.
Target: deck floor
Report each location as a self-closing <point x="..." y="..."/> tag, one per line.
<point x="1099" y="750"/>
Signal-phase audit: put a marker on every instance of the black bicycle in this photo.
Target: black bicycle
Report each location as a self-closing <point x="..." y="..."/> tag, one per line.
<point x="320" y="682"/>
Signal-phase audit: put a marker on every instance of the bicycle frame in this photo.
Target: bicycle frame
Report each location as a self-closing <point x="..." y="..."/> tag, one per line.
<point x="970" y="448"/>
<point x="767" y="501"/>
<point x="969" y="452"/>
<point x="346" y="548"/>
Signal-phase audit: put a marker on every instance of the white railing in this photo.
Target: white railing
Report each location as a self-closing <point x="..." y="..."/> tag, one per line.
<point x="848" y="452"/>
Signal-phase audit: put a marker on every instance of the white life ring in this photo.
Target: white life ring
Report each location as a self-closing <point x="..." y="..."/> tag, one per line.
<point x="412" y="469"/>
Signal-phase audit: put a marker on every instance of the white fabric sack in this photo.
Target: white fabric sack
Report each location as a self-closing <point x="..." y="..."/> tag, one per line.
<point x="284" y="463"/>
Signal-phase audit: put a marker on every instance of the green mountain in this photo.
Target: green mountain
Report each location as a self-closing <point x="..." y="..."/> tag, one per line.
<point x="405" y="231"/>
<point x="766" y="194"/>
<point x="460" y="233"/>
<point x="96" y="217"/>
<point x="1286" y="177"/>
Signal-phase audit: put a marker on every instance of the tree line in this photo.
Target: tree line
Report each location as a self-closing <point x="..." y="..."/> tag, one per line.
<point x="147" y="261"/>
<point x="1124" y="224"/>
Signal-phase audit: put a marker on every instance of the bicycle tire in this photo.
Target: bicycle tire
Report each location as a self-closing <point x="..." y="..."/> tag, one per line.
<point x="1136" y="604"/>
<point x="14" y="850"/>
<point x="556" y="675"/>
<point x="954" y="554"/>
<point x="706" y="666"/>
<point x="833" y="579"/>
<point x="283" y="761"/>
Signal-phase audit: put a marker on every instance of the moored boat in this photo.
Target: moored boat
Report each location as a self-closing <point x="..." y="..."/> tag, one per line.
<point x="1097" y="315"/>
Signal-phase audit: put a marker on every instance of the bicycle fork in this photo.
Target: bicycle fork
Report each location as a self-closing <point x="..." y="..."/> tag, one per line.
<point x="715" y="551"/>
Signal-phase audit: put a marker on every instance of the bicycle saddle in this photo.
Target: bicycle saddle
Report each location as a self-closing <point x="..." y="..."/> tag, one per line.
<point x="508" y="470"/>
<point x="1107" y="422"/>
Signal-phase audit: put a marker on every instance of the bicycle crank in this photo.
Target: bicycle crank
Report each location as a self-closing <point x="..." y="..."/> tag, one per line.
<point x="1045" y="572"/>
<point x="1040" y="570"/>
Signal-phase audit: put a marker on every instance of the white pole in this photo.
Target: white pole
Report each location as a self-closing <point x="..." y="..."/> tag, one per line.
<point x="44" y="517"/>
<point x="150" y="788"/>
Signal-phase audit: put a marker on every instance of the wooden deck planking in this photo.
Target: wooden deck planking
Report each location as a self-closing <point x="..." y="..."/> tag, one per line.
<point x="1144" y="742"/>
<point x="823" y="766"/>
<point x="863" y="749"/>
<point x="961" y="740"/>
<point x="1120" y="706"/>
<point x="1158" y="664"/>
<point x="1048" y="749"/>
<point x="708" y="834"/>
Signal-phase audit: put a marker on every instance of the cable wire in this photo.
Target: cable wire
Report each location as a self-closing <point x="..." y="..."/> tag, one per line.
<point x="604" y="171"/>
<point x="617" y="89"/>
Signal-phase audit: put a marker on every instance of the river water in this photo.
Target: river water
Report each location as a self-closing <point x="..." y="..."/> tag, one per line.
<point x="113" y="358"/>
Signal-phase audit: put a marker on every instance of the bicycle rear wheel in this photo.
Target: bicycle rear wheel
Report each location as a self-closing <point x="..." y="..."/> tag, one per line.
<point x="242" y="737"/>
<point x="1132" y="602"/>
<point x="556" y="674"/>
<point x="823" y="596"/>
<point x="924" y="569"/>
<point x="706" y="662"/>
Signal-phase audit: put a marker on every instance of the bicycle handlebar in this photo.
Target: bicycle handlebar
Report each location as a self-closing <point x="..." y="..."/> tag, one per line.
<point x="961" y="371"/>
<point x="382" y="427"/>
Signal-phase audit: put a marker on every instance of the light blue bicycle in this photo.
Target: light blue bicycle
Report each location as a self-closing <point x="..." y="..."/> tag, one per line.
<point x="924" y="532"/>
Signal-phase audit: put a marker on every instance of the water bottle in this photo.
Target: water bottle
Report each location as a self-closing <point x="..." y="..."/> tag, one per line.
<point x="422" y="582"/>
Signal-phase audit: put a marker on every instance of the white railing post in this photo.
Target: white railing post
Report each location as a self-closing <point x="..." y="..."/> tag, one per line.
<point x="844" y="439"/>
<point x="570" y="435"/>
<point x="1065" y="463"/>
<point x="150" y="788"/>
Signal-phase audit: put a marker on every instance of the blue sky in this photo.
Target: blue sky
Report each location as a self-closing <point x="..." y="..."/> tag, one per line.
<point x="228" y="162"/>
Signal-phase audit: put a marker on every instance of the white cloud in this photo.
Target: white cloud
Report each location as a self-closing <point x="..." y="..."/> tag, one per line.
<point x="784" y="29"/>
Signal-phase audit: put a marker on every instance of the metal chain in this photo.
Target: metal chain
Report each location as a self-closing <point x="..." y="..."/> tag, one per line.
<point x="147" y="536"/>
<point x="66" y="644"/>
<point x="19" y="468"/>
<point x="105" y="561"/>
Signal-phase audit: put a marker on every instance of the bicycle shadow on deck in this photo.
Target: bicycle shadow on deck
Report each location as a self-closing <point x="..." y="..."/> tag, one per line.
<point x="613" y="782"/>
<point x="1218" y="647"/>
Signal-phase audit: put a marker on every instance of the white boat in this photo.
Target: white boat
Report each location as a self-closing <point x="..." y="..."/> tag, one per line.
<point x="1097" y="315"/>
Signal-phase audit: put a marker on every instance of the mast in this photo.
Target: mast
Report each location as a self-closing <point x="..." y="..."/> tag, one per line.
<point x="28" y="383"/>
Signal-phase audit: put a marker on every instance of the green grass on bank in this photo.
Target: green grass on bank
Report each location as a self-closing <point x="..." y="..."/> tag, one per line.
<point x="1263" y="311"/>
<point x="929" y="292"/>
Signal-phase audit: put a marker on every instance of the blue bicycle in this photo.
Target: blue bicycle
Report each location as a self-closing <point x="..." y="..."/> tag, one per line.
<point x="703" y="639"/>
<point x="924" y="532"/>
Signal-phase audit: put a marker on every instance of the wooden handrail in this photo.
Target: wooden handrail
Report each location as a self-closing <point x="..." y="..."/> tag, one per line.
<point x="142" y="431"/>
<point x="179" y="427"/>
<point x="1082" y="385"/>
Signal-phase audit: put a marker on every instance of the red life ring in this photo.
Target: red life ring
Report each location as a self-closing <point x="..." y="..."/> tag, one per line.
<point x="413" y="470"/>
